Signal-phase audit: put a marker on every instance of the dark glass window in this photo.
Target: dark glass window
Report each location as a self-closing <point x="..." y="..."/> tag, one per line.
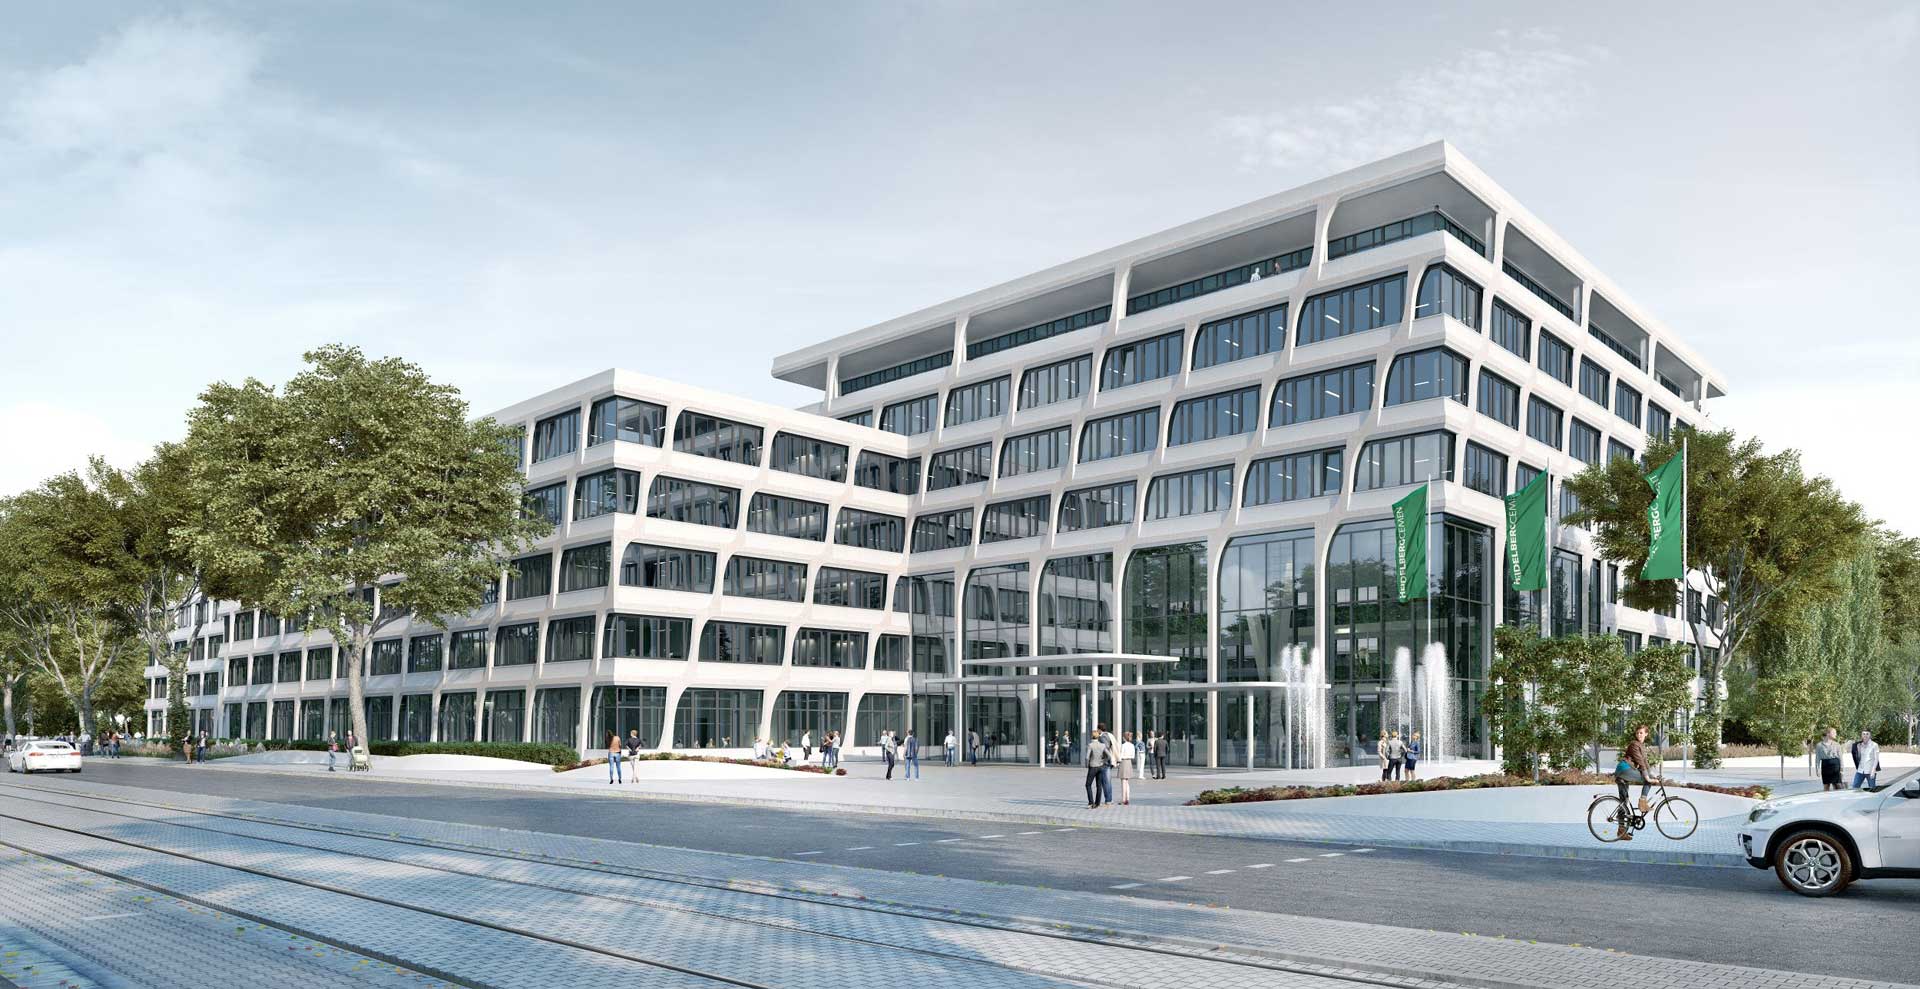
<point x="585" y="567"/>
<point x="770" y="580"/>
<point x="1617" y="450"/>
<point x="1402" y="460"/>
<point x="648" y="637"/>
<point x="385" y="659"/>
<point x="1486" y="471"/>
<point x="1523" y="475"/>
<point x="1042" y="331"/>
<point x="1142" y="360"/>
<point x="1583" y="442"/>
<point x="693" y="501"/>
<point x="911" y="417"/>
<point x="706" y="719"/>
<point x="1659" y="422"/>
<point x="1266" y="605"/>
<point x="977" y="401"/>
<point x="1499" y="399"/>
<point x="966" y="465"/>
<point x="891" y="655"/>
<point x="1240" y="337"/>
<point x="808" y="456"/>
<point x="1120" y="435"/>
<point x="516" y="645"/>
<point x="1017" y="519"/>
<point x="426" y="653"/>
<point x="791" y="517"/>
<point x="1205" y="284"/>
<point x="1191" y="492"/>
<point x="467" y="650"/>
<point x="1556" y="357"/>
<point x="606" y="492"/>
<point x="829" y="648"/>
<point x="289" y="668"/>
<point x="570" y="640"/>
<point x="1214" y="416"/>
<point x="530" y="577"/>
<point x="1444" y="290"/>
<point x="870" y="530"/>
<point x="1424" y="374"/>
<point x="1057" y="382"/>
<point x="1047" y="450"/>
<point x="1095" y="508"/>
<point x="667" y="568"/>
<point x="556" y="435"/>
<point x="1543" y="422"/>
<point x="628" y="420"/>
<point x="850" y="588"/>
<point x="1512" y="330"/>
<point x="269" y="625"/>
<point x="547" y="502"/>
<point x="900" y="475"/>
<point x="1593" y="382"/>
<point x="243" y="626"/>
<point x="862" y="418"/>
<point x="1323" y="394"/>
<point x="1294" y="476"/>
<point x="706" y="435"/>
<point x="741" y="642"/>
<point x="922" y="365"/>
<point x="1626" y="402"/>
<point x="1353" y="309"/>
<point x="943" y="530"/>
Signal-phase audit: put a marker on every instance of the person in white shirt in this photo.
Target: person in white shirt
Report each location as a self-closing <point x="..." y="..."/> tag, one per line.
<point x="806" y="745"/>
<point x="1127" y="756"/>
<point x="949" y="747"/>
<point x="1866" y="760"/>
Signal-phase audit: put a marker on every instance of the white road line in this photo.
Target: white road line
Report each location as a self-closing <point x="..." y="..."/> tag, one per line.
<point x="110" y="916"/>
<point x="1121" y="886"/>
<point x="1062" y="830"/>
<point x="1218" y="872"/>
<point x="1261" y="865"/>
<point x="945" y="840"/>
<point x="806" y="853"/>
<point x="1362" y="851"/>
<point x="1023" y="834"/>
<point x="903" y="844"/>
<point x="1332" y="855"/>
<point x="1299" y="860"/>
<point x="1172" y="879"/>
<point x="986" y="836"/>
<point x="860" y="848"/>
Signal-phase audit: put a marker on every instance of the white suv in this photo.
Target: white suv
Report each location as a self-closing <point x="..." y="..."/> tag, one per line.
<point x="1819" y="842"/>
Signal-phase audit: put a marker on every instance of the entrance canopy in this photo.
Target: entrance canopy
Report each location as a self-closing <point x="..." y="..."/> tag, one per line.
<point x="1214" y="688"/>
<point x="1012" y="680"/>
<point x="1071" y="659"/>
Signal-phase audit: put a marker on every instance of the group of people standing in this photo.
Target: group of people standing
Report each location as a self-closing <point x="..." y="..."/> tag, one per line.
<point x="1107" y="757"/>
<point x="1399" y="759"/>
<point x="1866" y="760"/>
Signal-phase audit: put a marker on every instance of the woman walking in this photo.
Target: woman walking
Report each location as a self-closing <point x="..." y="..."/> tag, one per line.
<point x="1413" y="754"/>
<point x="613" y="758"/>
<point x="1386" y="765"/>
<point x="1827" y="753"/>
<point x="1129" y="761"/>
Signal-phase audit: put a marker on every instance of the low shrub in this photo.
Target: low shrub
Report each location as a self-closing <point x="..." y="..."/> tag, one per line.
<point x="678" y="757"/>
<point x="1565" y="777"/>
<point x="545" y="753"/>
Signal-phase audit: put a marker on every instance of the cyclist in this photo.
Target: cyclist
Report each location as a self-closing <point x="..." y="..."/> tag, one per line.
<point x="1633" y="769"/>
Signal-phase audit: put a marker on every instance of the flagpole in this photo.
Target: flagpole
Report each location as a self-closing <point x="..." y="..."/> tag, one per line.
<point x="1686" y="739"/>
<point x="1427" y="521"/>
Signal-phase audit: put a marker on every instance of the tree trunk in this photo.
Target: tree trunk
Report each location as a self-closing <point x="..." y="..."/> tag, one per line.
<point x="85" y="709"/>
<point x="356" y="692"/>
<point x="8" y="684"/>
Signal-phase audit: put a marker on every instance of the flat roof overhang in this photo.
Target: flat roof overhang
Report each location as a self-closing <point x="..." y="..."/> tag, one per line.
<point x="1214" y="688"/>
<point x="1020" y="680"/>
<point x="1074" y="659"/>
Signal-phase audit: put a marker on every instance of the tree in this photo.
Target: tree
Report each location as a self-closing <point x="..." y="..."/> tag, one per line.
<point x="1765" y="537"/>
<point x="318" y="498"/>
<point x="1787" y="707"/>
<point x="1559" y="699"/>
<point x="1899" y="561"/>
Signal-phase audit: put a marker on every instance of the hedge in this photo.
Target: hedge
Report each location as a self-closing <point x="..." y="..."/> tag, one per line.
<point x="679" y="757"/>
<point x="544" y="753"/>
<point x="1242" y="795"/>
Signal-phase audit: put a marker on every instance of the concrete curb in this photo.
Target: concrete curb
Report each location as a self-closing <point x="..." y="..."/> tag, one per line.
<point x="1599" y="853"/>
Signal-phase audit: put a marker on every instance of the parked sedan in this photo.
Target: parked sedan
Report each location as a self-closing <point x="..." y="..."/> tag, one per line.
<point x="1820" y="842"/>
<point x="43" y="757"/>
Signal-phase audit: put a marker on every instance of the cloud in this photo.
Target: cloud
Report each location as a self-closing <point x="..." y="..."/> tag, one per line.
<point x="44" y="439"/>
<point x="1481" y="97"/>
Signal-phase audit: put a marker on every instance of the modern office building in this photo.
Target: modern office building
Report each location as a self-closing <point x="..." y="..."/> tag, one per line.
<point x="1146" y="487"/>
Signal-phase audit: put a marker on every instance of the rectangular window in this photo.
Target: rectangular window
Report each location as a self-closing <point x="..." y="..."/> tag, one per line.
<point x="693" y="501"/>
<point x="955" y="468"/>
<point x="1556" y="358"/>
<point x="243" y="626"/>
<point x="891" y="654"/>
<point x="1499" y="399"/>
<point x="628" y="420"/>
<point x="850" y="588"/>
<point x="547" y="502"/>
<point x="1486" y="471"/>
<point x="1034" y="452"/>
<point x="237" y="672"/>
<point x="706" y="435"/>
<point x="1659" y="422"/>
<point x="457" y="716"/>
<point x="269" y="625"/>
<point x="1404" y="460"/>
<point x="809" y="457"/>
<point x="1626" y="402"/>
<point x="1060" y="381"/>
<point x="556" y="435"/>
<point x="1213" y="416"/>
<point x="586" y="567"/>
<point x="740" y="642"/>
<point x="1424" y="374"/>
<point x="1583" y="442"/>
<point x="900" y="475"/>
<point x="1192" y="492"/>
<point x="908" y="369"/>
<point x="1543" y="422"/>
<point x="1523" y="475"/>
<point x="790" y="517"/>
<point x="320" y="663"/>
<point x="531" y="577"/>
<point x="1322" y="395"/>
<point x="516" y="645"/>
<point x="981" y="400"/>
<point x="385" y="660"/>
<point x="1446" y="291"/>
<point x="426" y="653"/>
<point x="289" y="667"/>
<point x="467" y="650"/>
<point x="648" y="637"/>
<point x="667" y="568"/>
<point x="1018" y="519"/>
<point x="830" y="648"/>
<point x="1353" y="309"/>
<point x="1141" y="361"/>
<point x="1235" y="338"/>
<point x="1613" y="343"/>
<point x="911" y="417"/>
<point x="1511" y="330"/>
<point x="605" y="493"/>
<point x="1205" y="284"/>
<point x="943" y="530"/>
<point x="1294" y="477"/>
<point x="1593" y="382"/>
<point x="769" y="580"/>
<point x="1042" y="331"/>
<point x="862" y="418"/>
<point x="1096" y="508"/>
<point x="1617" y="450"/>
<point x="504" y="718"/>
<point x="570" y="640"/>
<point x="870" y="530"/>
<point x="1120" y="435"/>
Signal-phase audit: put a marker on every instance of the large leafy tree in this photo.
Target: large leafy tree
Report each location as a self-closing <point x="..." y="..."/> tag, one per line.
<point x="1899" y="560"/>
<point x="14" y="667"/>
<point x="357" y="493"/>
<point x="1554" y="701"/>
<point x="1765" y="537"/>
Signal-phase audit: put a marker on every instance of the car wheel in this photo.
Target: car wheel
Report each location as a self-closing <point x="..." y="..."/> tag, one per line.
<point x="1813" y="863"/>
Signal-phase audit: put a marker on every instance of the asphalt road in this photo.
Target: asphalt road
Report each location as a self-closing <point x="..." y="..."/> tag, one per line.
<point x="1730" y="916"/>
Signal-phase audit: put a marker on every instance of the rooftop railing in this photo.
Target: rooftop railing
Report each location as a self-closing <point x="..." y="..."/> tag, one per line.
<point x="1412" y="226"/>
<point x="907" y="370"/>
<point x="1595" y="331"/>
<point x="1515" y="272"/>
<point x="1041" y="331"/>
<point x="1219" y="280"/>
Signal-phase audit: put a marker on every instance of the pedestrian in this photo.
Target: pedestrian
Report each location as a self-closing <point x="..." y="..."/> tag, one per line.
<point x="759" y="749"/>
<point x="117" y="736"/>
<point x="949" y="747"/>
<point x="1396" y="754"/>
<point x="1413" y="754"/>
<point x="912" y="750"/>
<point x="201" y="753"/>
<point x="1160" y="756"/>
<point x="973" y="747"/>
<point x="1128" y="753"/>
<point x="1386" y="757"/>
<point x="1827" y="753"/>
<point x="613" y="758"/>
<point x="333" y="749"/>
<point x="806" y="746"/>
<point x="1099" y="761"/>
<point x="1866" y="761"/>
<point x="887" y="750"/>
<point x="1139" y="758"/>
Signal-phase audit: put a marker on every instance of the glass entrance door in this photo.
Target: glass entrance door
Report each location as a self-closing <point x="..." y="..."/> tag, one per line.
<point x="1181" y="715"/>
<point x="1356" y="727"/>
<point x="997" y="718"/>
<point x="1063" y="726"/>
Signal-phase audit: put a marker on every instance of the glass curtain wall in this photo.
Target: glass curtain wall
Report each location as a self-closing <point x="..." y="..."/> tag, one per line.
<point x="932" y="611"/>
<point x="1164" y="604"/>
<point x="716" y="719"/>
<point x="1266" y="606"/>
<point x="621" y="710"/>
<point x="556" y="715"/>
<point x="996" y="617"/>
<point x="457" y="716"/>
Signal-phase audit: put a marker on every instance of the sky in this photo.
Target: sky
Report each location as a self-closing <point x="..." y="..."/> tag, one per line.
<point x="514" y="196"/>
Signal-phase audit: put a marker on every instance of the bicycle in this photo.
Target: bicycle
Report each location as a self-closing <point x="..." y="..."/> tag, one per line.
<point x="1675" y="817"/>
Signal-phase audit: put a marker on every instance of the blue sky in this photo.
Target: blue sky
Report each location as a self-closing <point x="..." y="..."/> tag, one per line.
<point x="514" y="196"/>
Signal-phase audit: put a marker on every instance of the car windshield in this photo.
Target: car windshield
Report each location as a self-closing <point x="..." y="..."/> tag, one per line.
<point x="53" y="746"/>
<point x="1892" y="782"/>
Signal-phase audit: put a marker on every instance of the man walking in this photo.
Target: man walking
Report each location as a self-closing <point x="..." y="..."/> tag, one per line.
<point x="1866" y="761"/>
<point x="912" y="749"/>
<point x="1827" y="753"/>
<point x="806" y="746"/>
<point x="1396" y="755"/>
<point x="887" y="750"/>
<point x="973" y="747"/>
<point x="1099" y="762"/>
<point x="949" y="745"/>
<point x="1160" y="756"/>
<point x="333" y="749"/>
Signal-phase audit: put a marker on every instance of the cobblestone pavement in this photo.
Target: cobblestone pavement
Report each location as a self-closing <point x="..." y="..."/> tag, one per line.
<point x="811" y="896"/>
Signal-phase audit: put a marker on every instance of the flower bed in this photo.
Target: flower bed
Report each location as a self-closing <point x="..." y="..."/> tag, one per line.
<point x="1243" y="795"/>
<point x="677" y="757"/>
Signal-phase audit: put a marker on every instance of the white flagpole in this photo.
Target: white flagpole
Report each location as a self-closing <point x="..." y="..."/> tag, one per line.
<point x="1427" y="521"/>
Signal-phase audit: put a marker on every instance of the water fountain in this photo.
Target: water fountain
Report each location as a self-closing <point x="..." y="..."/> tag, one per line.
<point x="1397" y="705"/>
<point x="1439" y="717"/>
<point x="1306" y="702"/>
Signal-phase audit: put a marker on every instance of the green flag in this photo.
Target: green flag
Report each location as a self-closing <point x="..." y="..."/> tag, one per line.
<point x="1527" y="536"/>
<point x="1410" y="543"/>
<point x="1667" y="521"/>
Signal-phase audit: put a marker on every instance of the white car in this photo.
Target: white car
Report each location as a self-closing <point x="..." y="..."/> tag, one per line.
<point x="43" y="757"/>
<point x="1819" y="842"/>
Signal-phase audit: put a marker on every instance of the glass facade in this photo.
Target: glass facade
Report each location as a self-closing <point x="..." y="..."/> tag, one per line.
<point x="798" y="712"/>
<point x="548" y="502"/>
<point x="1659" y="422"/>
<point x="1018" y="519"/>
<point x="1033" y="452"/>
<point x="667" y="568"/>
<point x="1094" y="508"/>
<point x="1593" y="382"/>
<point x="1036" y="333"/>
<point x="1543" y="422"/>
<point x="1294" y="476"/>
<point x="556" y="435"/>
<point x="978" y="401"/>
<point x="1266" y="603"/>
<point x="585" y="568"/>
<point x="911" y="417"/>
<point x="1425" y="374"/>
<point x="905" y="369"/>
<point x="741" y="642"/>
<point x="1323" y="394"/>
<point x="878" y="713"/>
<point x="693" y="501"/>
<point x="629" y="710"/>
<point x="570" y="640"/>
<point x="1142" y="360"/>
<point x="870" y="530"/>
<point x="1402" y="460"/>
<point x="1511" y="330"/>
<point x="830" y="648"/>
<point x="1207" y="284"/>
<point x="850" y="588"/>
<point x="504" y="719"/>
<point x="956" y="468"/>
<point x="1499" y="399"/>
<point x="1446" y="291"/>
<point x="1192" y="492"/>
<point x="1354" y="309"/>
<point x="1060" y="381"/>
<point x="556" y="715"/>
<point x="627" y="420"/>
<point x="804" y="455"/>
<point x="530" y="577"/>
<point x="1626" y="402"/>
<point x="1077" y="605"/>
<point x="706" y="435"/>
<point x="1235" y="338"/>
<point x="1583" y="442"/>
<point x="943" y="530"/>
<point x="1485" y="471"/>
<point x="1556" y="357"/>
<point x="1213" y="416"/>
<point x="770" y="580"/>
<point x="900" y="475"/>
<point x="647" y="637"/>
<point x="385" y="658"/>
<point x="707" y="718"/>
<point x="457" y="716"/>
<point x="467" y="650"/>
<point x="1120" y="435"/>
<point x="517" y="644"/>
<point x="790" y="517"/>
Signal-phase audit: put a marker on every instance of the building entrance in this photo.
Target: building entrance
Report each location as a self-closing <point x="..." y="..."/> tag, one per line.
<point x="1356" y="727"/>
<point x="1064" y="726"/>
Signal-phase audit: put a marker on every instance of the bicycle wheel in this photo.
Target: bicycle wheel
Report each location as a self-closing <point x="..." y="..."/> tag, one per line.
<point x="1676" y="817"/>
<point x="1605" y="816"/>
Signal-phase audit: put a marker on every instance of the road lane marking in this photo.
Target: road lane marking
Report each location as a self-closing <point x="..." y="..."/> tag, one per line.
<point x="986" y="836"/>
<point x="1025" y="833"/>
<point x="806" y="853"/>
<point x="1299" y="860"/>
<point x="903" y="844"/>
<point x="1172" y="879"/>
<point x="1062" y="830"/>
<point x="111" y="916"/>
<point x="1261" y="865"/>
<point x="945" y="840"/>
<point x="861" y="848"/>
<point x="1218" y="872"/>
<point x="1332" y="855"/>
<point x="1121" y="886"/>
<point x="1362" y="851"/>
